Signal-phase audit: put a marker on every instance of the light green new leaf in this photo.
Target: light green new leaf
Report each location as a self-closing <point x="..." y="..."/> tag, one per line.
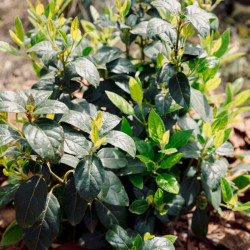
<point x="135" y="90"/>
<point x="241" y="98"/>
<point x="159" y="197"/>
<point x="120" y="103"/>
<point x="9" y="49"/>
<point x="225" y="41"/>
<point x="207" y="130"/>
<point x="219" y="138"/>
<point x="12" y="234"/>
<point x="226" y="190"/>
<point x="212" y="84"/>
<point x="171" y="161"/>
<point x="155" y="126"/>
<point x="19" y="29"/>
<point x="168" y="183"/>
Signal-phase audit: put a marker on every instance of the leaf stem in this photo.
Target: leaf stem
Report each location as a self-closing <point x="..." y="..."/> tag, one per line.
<point x="54" y="175"/>
<point x="66" y="175"/>
<point x="55" y="186"/>
<point x="138" y="119"/>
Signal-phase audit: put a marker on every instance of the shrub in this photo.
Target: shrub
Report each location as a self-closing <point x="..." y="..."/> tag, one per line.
<point x="145" y="142"/>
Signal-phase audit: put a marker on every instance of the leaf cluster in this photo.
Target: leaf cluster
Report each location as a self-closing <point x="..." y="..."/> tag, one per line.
<point x="115" y="141"/>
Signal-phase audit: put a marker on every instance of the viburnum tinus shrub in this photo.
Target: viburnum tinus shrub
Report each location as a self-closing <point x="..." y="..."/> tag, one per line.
<point x="115" y="142"/>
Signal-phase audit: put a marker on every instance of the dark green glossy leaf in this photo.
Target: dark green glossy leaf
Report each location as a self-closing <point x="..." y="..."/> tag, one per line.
<point x="7" y="194"/>
<point x="153" y="49"/>
<point x="168" y="183"/>
<point x="75" y="142"/>
<point x="82" y="106"/>
<point x="107" y="54"/>
<point x="109" y="122"/>
<point x="225" y="149"/>
<point x="50" y="58"/>
<point x="69" y="160"/>
<point x="121" y="140"/>
<point x="30" y="200"/>
<point x="116" y="194"/>
<point x="172" y="5"/>
<point x="46" y="138"/>
<point x="166" y="73"/>
<point x="112" y="158"/>
<point x="200" y="222"/>
<point x="144" y="223"/>
<point x="38" y="95"/>
<point x="93" y="240"/>
<point x="199" y="18"/>
<point x="89" y="177"/>
<point x="190" y="188"/>
<point x="84" y="68"/>
<point x="118" y="238"/>
<point x="157" y="243"/>
<point x="75" y="206"/>
<point x="157" y="26"/>
<point x="121" y="66"/>
<point x="200" y="104"/>
<point x="180" y="90"/>
<point x="90" y="220"/>
<point x="187" y="123"/>
<point x="11" y="102"/>
<point x="212" y="173"/>
<point x="139" y="207"/>
<point x="41" y="48"/>
<point x="136" y="180"/>
<point x="7" y="134"/>
<point x="163" y="103"/>
<point x="110" y="215"/>
<point x="133" y="167"/>
<point x="50" y="107"/>
<point x="243" y="166"/>
<point x="122" y="81"/>
<point x="140" y="29"/>
<point x="77" y="119"/>
<point x="44" y="231"/>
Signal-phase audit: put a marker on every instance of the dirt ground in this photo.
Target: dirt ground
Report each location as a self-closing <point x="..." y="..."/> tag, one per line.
<point x="231" y="232"/>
